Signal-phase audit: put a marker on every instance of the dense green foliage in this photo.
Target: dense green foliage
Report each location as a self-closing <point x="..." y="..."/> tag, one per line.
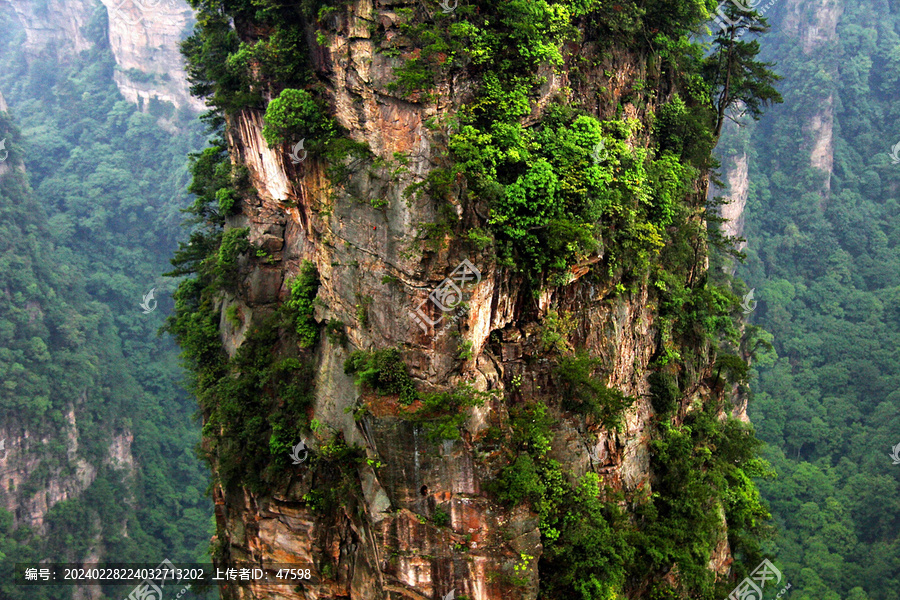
<point x="255" y="419"/>
<point x="826" y="268"/>
<point x="701" y="466"/>
<point x="444" y="413"/>
<point x="562" y="188"/>
<point x="303" y="291"/>
<point x="294" y="115"/>
<point x="547" y="193"/>
<point x="383" y="371"/>
<point x="585" y="392"/>
<point x="88" y="227"/>
<point x="591" y="547"/>
<point x="234" y="74"/>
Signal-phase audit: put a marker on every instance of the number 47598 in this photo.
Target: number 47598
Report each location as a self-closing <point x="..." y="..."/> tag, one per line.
<point x="293" y="574"/>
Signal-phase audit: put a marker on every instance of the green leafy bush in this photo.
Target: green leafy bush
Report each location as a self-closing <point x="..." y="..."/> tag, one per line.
<point x="295" y="115"/>
<point x="440" y="517"/>
<point x="383" y="371"/>
<point x="226" y="199"/>
<point x="304" y="289"/>
<point x="280" y="57"/>
<point x="669" y="180"/>
<point x="520" y="482"/>
<point x="684" y="131"/>
<point x="664" y="393"/>
<point x="444" y="413"/>
<point x="224" y="82"/>
<point x="586" y="393"/>
<point x="734" y="368"/>
<point x="234" y="243"/>
<point x="362" y="310"/>
<point x="336" y="332"/>
<point x="593" y="551"/>
<point x="234" y="316"/>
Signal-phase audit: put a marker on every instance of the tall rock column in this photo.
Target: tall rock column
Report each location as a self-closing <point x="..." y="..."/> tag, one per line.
<point x="814" y="26"/>
<point x="454" y="257"/>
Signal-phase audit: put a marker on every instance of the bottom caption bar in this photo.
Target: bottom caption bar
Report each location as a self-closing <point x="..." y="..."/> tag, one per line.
<point x="155" y="577"/>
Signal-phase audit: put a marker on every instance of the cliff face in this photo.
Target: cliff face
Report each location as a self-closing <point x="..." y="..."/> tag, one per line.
<point x="143" y="36"/>
<point x="56" y="25"/>
<point x="29" y="506"/>
<point x="814" y="25"/>
<point x="737" y="178"/>
<point x="374" y="276"/>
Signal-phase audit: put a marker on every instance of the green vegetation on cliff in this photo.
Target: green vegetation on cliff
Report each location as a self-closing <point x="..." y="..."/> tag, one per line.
<point x="541" y="191"/>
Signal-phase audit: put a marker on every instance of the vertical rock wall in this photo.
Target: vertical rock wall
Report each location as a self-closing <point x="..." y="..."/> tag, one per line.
<point x="388" y="545"/>
<point x="143" y="35"/>
<point x="814" y="26"/>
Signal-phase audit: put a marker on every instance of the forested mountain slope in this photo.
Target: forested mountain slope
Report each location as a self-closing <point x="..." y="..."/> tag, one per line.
<point x="99" y="460"/>
<point x="824" y="256"/>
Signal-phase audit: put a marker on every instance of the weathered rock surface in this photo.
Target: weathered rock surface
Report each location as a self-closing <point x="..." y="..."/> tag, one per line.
<point x="388" y="544"/>
<point x="814" y="25"/>
<point x="143" y="35"/>
<point x="737" y="178"/>
<point x="21" y="456"/>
